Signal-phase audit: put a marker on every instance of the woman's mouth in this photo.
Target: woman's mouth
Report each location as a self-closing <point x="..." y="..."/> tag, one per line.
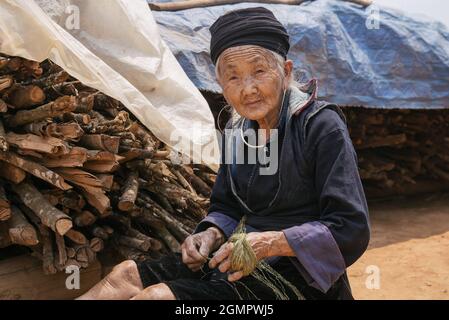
<point x="253" y="103"/>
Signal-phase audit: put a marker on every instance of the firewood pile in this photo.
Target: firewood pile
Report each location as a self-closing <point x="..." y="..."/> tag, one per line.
<point x="78" y="173"/>
<point x="401" y="151"/>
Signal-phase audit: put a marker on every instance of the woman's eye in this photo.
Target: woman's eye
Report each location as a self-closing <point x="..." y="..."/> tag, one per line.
<point x="260" y="71"/>
<point x="232" y="78"/>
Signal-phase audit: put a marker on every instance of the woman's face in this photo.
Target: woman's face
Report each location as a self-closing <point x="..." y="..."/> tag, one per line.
<point x="252" y="81"/>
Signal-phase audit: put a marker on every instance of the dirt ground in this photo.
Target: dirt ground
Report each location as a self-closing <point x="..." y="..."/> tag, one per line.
<point x="408" y="252"/>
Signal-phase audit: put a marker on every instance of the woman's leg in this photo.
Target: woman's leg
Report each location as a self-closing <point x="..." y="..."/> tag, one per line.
<point x="129" y="278"/>
<point x="121" y="284"/>
<point x="158" y="291"/>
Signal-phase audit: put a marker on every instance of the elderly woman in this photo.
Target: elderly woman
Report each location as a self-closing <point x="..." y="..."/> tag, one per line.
<point x="305" y="209"/>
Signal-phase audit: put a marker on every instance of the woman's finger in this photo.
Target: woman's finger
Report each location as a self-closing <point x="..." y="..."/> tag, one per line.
<point x="193" y="254"/>
<point x="220" y="255"/>
<point x="235" y="276"/>
<point x="225" y="265"/>
<point x="195" y="266"/>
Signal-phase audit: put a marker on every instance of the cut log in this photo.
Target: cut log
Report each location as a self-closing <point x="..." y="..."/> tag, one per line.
<point x="130" y="190"/>
<point x="154" y="244"/>
<point x="11" y="173"/>
<point x="84" y="219"/>
<point x="35" y="169"/>
<point x="5" y="240"/>
<point x="47" y="250"/>
<point x="76" y="237"/>
<point x="169" y="240"/>
<point x="22" y="97"/>
<point x="91" y="187"/>
<point x="199" y="185"/>
<point x="49" y="215"/>
<point x="76" y="157"/>
<point x="96" y="244"/>
<point x="152" y="208"/>
<point x="80" y="118"/>
<point x="52" y="109"/>
<point x="62" y="251"/>
<point x="33" y="142"/>
<point x="102" y="166"/>
<point x="134" y="243"/>
<point x="5" y="206"/>
<point x="65" y="131"/>
<point x="99" y="232"/>
<point x="51" y="80"/>
<point x="3" y="143"/>
<point x="3" y="106"/>
<point x="107" y="180"/>
<point x="85" y="102"/>
<point x="6" y="82"/>
<point x="150" y="143"/>
<point x="100" y="142"/>
<point x="20" y="230"/>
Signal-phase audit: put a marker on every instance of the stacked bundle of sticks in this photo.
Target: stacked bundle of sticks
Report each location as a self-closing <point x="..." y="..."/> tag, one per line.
<point x="401" y="151"/>
<point x="78" y="173"/>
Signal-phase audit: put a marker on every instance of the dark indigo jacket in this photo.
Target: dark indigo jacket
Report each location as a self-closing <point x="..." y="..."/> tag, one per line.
<point x="316" y="197"/>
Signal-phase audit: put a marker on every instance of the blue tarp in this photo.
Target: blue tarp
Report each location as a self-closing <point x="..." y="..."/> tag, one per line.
<point x="402" y="64"/>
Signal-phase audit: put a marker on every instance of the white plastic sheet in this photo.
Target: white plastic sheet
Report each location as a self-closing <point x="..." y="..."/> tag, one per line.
<point x="115" y="47"/>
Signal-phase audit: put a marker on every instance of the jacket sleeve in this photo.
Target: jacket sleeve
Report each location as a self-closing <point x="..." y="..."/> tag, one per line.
<point x="326" y="247"/>
<point x="224" y="211"/>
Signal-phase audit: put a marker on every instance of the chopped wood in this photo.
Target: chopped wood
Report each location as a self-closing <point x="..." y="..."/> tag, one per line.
<point x="47" y="250"/>
<point x="50" y="80"/>
<point x="76" y="157"/>
<point x="76" y="237"/>
<point x="6" y="82"/>
<point x="70" y="131"/>
<point x="96" y="244"/>
<point x="72" y="142"/>
<point x="33" y="142"/>
<point x="80" y="118"/>
<point x="199" y="185"/>
<point x="49" y="215"/>
<point x="107" y="180"/>
<point x="62" y="250"/>
<point x="3" y="106"/>
<point x="139" y="244"/>
<point x="100" y="142"/>
<point x="21" y="97"/>
<point x="35" y="169"/>
<point x="5" y="206"/>
<point x="52" y="109"/>
<point x="3" y="143"/>
<point x="21" y="231"/>
<point x="84" y="219"/>
<point x="130" y="190"/>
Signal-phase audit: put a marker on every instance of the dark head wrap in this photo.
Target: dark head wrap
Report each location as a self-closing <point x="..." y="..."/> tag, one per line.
<point x="250" y="26"/>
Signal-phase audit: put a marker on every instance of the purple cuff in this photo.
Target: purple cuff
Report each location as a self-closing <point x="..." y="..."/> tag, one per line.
<point x="220" y="220"/>
<point x="321" y="262"/>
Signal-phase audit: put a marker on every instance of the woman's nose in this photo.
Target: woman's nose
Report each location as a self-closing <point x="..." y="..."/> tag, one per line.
<point x="249" y="86"/>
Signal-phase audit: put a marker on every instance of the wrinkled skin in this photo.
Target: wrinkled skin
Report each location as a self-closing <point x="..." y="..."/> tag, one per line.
<point x="197" y="247"/>
<point x="253" y="84"/>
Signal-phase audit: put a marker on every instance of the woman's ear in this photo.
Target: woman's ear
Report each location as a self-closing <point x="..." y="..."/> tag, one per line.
<point x="288" y="69"/>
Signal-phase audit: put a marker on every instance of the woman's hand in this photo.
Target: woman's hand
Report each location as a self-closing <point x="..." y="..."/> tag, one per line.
<point x="265" y="244"/>
<point x="197" y="247"/>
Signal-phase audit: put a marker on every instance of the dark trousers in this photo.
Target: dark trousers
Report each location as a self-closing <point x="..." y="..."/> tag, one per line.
<point x="210" y="284"/>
